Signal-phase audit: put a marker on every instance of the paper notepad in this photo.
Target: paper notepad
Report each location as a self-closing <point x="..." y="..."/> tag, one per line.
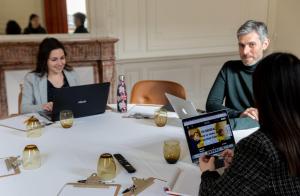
<point x="162" y="178"/>
<point x="71" y="190"/>
<point x="17" y="122"/>
<point x="144" y="109"/>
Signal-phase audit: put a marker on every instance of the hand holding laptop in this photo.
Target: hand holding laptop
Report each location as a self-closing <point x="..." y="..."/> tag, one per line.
<point x="209" y="162"/>
<point x="228" y="155"/>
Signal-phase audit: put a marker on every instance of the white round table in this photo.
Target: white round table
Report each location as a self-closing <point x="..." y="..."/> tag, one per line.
<point x="71" y="154"/>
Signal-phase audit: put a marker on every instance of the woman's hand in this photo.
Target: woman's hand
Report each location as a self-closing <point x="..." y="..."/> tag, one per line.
<point x="207" y="163"/>
<point x="48" y="106"/>
<point x="227" y="155"/>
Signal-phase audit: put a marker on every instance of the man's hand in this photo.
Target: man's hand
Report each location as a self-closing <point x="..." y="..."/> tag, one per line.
<point x="250" y="112"/>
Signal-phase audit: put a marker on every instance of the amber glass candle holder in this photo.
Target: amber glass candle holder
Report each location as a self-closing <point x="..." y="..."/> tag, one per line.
<point x="34" y="127"/>
<point x="31" y="157"/>
<point x="161" y="117"/>
<point x="171" y="151"/>
<point x="66" y="118"/>
<point x="106" y="168"/>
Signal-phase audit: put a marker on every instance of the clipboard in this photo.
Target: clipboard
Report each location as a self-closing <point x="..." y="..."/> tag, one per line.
<point x="140" y="185"/>
<point x="9" y="166"/>
<point x="92" y="185"/>
<point x="152" y="186"/>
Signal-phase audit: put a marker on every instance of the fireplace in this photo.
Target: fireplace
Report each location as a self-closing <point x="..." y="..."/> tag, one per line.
<point x="98" y="53"/>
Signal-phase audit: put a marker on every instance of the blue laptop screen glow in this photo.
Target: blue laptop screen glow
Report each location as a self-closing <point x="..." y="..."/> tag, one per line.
<point x="208" y="134"/>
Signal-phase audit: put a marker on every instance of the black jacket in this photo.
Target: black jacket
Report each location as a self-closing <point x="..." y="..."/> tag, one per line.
<point x="39" y="30"/>
<point x="257" y="169"/>
<point x="81" y="29"/>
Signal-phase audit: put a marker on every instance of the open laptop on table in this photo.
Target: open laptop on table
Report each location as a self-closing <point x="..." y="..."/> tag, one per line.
<point x="84" y="100"/>
<point x="184" y="108"/>
<point x="208" y="135"/>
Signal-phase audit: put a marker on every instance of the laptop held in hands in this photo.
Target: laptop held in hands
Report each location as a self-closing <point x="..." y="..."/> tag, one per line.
<point x="208" y="134"/>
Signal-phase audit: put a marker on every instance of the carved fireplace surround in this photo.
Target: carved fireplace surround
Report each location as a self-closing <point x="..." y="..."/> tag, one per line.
<point x="98" y="53"/>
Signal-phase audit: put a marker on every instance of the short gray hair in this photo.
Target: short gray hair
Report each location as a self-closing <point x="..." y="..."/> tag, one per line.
<point x="251" y="25"/>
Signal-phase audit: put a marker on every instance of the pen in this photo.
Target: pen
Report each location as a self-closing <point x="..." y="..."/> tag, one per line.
<point x="129" y="189"/>
<point x="103" y="182"/>
<point x="174" y="193"/>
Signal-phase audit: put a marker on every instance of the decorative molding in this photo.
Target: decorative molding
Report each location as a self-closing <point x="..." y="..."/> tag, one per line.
<point x="153" y="28"/>
<point x="195" y="72"/>
<point x="185" y="25"/>
<point x="175" y="57"/>
<point x="98" y="53"/>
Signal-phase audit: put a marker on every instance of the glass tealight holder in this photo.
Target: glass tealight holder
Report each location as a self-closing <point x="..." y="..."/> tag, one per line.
<point x="161" y="117"/>
<point x="171" y="151"/>
<point x="106" y="168"/>
<point x="31" y="157"/>
<point x="34" y="127"/>
<point x="66" y="118"/>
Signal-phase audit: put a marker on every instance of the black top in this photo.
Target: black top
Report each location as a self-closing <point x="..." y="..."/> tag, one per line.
<point x="51" y="88"/>
<point x="234" y="84"/>
<point x="39" y="30"/>
<point x="257" y="168"/>
<point x="81" y="29"/>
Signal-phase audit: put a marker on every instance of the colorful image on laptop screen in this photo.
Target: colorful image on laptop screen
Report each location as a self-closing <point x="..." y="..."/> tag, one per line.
<point x="208" y="134"/>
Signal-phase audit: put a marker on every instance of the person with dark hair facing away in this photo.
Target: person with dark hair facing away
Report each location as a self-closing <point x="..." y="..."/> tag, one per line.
<point x="51" y="72"/>
<point x="233" y="85"/>
<point x="79" y="20"/>
<point x="34" y="26"/>
<point x="12" y="28"/>
<point x="268" y="161"/>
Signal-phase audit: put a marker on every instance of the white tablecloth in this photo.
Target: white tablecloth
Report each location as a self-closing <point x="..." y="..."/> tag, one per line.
<point x="71" y="154"/>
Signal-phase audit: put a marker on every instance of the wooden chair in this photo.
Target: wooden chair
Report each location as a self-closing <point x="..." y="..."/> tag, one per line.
<point x="19" y="102"/>
<point x="20" y="99"/>
<point x="153" y="92"/>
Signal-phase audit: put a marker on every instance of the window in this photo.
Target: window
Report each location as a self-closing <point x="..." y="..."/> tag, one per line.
<point x="74" y="6"/>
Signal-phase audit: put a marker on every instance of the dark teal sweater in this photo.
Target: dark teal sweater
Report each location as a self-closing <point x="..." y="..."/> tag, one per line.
<point x="234" y="84"/>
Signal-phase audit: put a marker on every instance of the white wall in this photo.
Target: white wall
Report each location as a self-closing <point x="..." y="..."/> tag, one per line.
<point x="195" y="72"/>
<point x="20" y="11"/>
<point x="184" y="41"/>
<point x="152" y="28"/>
<point x="288" y="27"/>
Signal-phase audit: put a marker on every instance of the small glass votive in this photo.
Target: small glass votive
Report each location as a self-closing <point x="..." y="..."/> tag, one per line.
<point x="161" y="117"/>
<point x="31" y="157"/>
<point x="66" y="118"/>
<point x="106" y="168"/>
<point x="171" y="151"/>
<point x="34" y="127"/>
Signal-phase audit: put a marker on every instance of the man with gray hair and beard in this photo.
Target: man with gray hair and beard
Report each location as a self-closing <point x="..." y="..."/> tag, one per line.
<point x="234" y="81"/>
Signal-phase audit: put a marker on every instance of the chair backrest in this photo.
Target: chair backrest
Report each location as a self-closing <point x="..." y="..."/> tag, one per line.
<point x="153" y="91"/>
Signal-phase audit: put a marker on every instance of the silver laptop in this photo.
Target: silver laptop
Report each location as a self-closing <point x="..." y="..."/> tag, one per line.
<point x="184" y="108"/>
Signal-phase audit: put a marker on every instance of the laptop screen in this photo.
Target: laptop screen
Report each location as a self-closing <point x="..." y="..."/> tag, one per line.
<point x="208" y="134"/>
